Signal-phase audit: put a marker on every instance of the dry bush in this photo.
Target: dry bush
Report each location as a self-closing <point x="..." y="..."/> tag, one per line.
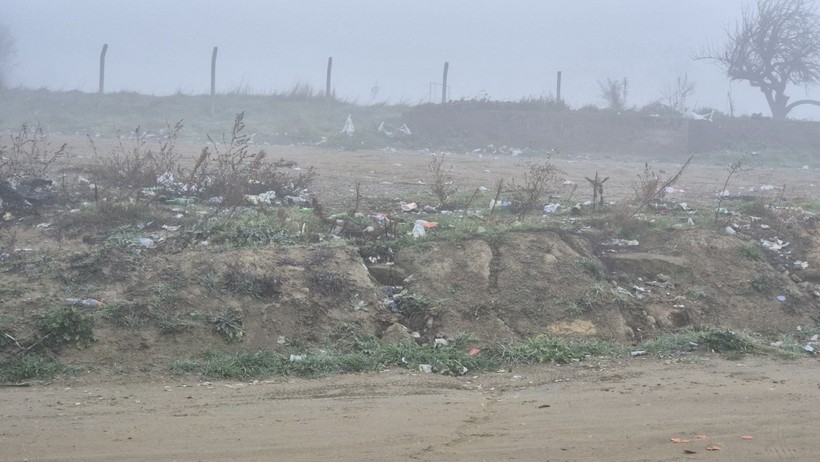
<point x="537" y="183"/>
<point x="231" y="170"/>
<point x="741" y="164"/>
<point x="442" y="182"/>
<point x="614" y="92"/>
<point x="134" y="164"/>
<point x="650" y="186"/>
<point x="29" y="155"/>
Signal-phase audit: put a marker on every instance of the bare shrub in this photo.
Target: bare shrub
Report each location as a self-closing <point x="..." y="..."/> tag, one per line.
<point x="742" y="164"/>
<point x="231" y="170"/>
<point x="614" y="92"/>
<point x="441" y="184"/>
<point x="647" y="186"/>
<point x="537" y="183"/>
<point x="133" y="163"/>
<point x="676" y="95"/>
<point x="29" y="154"/>
<point x="650" y="186"/>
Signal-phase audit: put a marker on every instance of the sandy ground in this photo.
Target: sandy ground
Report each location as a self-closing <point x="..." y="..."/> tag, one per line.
<point x="405" y="175"/>
<point x="625" y="411"/>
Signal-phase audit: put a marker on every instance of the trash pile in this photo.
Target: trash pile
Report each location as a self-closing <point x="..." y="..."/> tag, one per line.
<point x="25" y="196"/>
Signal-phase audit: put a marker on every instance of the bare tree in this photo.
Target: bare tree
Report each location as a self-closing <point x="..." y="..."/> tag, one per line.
<point x="6" y="53"/>
<point x="614" y="93"/>
<point x="675" y="95"/>
<point x="774" y="44"/>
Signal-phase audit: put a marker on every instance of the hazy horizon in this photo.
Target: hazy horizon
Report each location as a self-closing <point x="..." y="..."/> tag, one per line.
<point x="383" y="51"/>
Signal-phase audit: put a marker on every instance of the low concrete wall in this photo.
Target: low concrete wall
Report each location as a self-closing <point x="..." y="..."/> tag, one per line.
<point x="589" y="132"/>
<point x="754" y="135"/>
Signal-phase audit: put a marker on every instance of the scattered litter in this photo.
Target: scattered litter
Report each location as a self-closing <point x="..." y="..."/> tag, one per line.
<point x="551" y="208"/>
<point x="348" y="129"/>
<point x="678" y="439"/>
<point x="86" y="302"/>
<point x="724" y="193"/>
<point x="43" y="225"/>
<point x="296" y="200"/>
<point x="774" y="244"/>
<point x="483" y="189"/>
<point x="296" y="358"/>
<point x="622" y="242"/>
<point x="730" y="231"/>
<point x="701" y="437"/>
<point x="517" y="378"/>
<point x="146" y="242"/>
<point x="420" y="227"/>
<point x="181" y="201"/>
<point x="216" y="200"/>
<point x="502" y="204"/>
<point x="712" y="447"/>
<point x="408" y="207"/>
<point x="473" y="351"/>
<point x="692" y="115"/>
<point x="747" y="437"/>
<point x="440" y="342"/>
<point x="638" y="353"/>
<point x="799" y="264"/>
<point x="380" y="218"/>
<point x="425" y="368"/>
<point x="171" y="228"/>
<point x="673" y="190"/>
<point x="391" y="131"/>
<point x="781" y="298"/>
<point x="266" y="197"/>
<point x="808" y="348"/>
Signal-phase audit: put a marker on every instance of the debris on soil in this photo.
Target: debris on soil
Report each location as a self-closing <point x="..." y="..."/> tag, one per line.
<point x="86" y="302"/>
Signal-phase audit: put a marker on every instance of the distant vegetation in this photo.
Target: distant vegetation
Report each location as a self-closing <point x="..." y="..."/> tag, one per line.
<point x="296" y="116"/>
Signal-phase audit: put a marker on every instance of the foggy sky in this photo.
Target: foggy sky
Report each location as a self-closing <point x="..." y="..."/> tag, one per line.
<point x="383" y="50"/>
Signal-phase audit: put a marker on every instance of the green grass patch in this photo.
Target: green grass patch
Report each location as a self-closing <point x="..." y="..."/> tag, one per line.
<point x="366" y="354"/>
<point x="31" y="366"/>
<point x="66" y="325"/>
<point x="369" y="354"/>
<point x="726" y="342"/>
<point x="257" y="228"/>
<point x="751" y="252"/>
<point x="548" y="349"/>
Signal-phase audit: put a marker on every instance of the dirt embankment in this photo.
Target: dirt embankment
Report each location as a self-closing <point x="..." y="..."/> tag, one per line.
<point x="506" y="287"/>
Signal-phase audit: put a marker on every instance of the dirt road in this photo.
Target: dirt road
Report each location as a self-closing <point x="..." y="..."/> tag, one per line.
<point x="587" y="411"/>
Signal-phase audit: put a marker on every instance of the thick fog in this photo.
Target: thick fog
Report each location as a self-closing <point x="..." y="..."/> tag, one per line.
<point x="383" y="50"/>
